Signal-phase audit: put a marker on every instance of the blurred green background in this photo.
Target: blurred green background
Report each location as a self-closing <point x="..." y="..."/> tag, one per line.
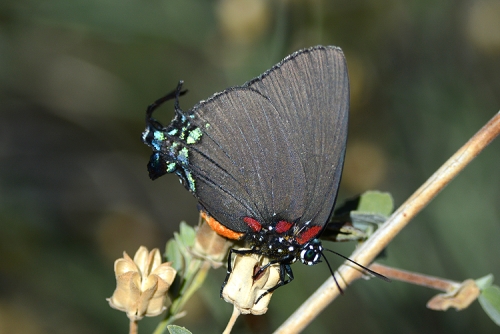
<point x="76" y="77"/>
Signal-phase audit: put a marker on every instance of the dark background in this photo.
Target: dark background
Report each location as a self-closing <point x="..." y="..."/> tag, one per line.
<point x="76" y="77"/>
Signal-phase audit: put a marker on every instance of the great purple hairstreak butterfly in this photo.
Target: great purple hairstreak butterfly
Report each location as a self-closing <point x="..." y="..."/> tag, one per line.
<point x="264" y="159"/>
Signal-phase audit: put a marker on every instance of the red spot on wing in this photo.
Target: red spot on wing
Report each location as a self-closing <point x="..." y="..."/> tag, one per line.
<point x="308" y="234"/>
<point x="282" y="226"/>
<point x="253" y="223"/>
<point x="219" y="228"/>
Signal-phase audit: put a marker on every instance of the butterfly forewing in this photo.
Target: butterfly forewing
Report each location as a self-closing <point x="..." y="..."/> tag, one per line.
<point x="273" y="149"/>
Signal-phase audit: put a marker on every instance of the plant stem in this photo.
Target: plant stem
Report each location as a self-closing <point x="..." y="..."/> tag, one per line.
<point x="232" y="321"/>
<point x="365" y="254"/>
<point x="133" y="327"/>
<point x="432" y="282"/>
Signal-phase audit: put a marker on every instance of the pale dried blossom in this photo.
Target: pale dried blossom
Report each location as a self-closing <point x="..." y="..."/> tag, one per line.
<point x="142" y="284"/>
<point x="459" y="298"/>
<point x="243" y="290"/>
<point x="209" y="245"/>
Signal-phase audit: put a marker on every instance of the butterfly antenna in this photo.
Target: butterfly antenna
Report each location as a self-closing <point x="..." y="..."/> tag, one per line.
<point x="333" y="273"/>
<point x="172" y="95"/>
<point x="374" y="273"/>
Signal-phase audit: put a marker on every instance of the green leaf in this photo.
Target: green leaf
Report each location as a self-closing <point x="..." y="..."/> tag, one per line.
<point x="187" y="234"/>
<point x="484" y="282"/>
<point x="376" y="202"/>
<point x="357" y="218"/>
<point x="373" y="209"/>
<point x="174" y="255"/>
<point x="173" y="329"/>
<point x="490" y="301"/>
<point x="177" y="248"/>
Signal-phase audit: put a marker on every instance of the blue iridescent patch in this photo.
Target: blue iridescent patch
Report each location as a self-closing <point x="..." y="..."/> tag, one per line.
<point x="170" y="144"/>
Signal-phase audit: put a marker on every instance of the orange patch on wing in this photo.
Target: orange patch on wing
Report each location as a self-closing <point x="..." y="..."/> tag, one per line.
<point x="219" y="228"/>
<point x="308" y="234"/>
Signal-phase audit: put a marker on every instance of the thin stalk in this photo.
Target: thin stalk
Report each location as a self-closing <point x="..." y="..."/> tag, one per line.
<point x="427" y="281"/>
<point x="399" y="219"/>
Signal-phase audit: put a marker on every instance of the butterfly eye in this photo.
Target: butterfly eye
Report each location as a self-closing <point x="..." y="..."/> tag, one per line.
<point x="311" y="254"/>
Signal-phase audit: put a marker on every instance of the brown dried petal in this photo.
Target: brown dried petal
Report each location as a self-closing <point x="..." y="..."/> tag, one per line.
<point x="147" y="292"/>
<point x="165" y="272"/>
<point x="142" y="260"/>
<point x="459" y="298"/>
<point x="126" y="292"/>
<point x="125" y="265"/>
<point x="154" y="260"/>
<point x="209" y="245"/>
<point x="158" y="300"/>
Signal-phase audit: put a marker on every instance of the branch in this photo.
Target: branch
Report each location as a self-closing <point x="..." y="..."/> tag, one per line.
<point x="399" y="219"/>
<point x="432" y="282"/>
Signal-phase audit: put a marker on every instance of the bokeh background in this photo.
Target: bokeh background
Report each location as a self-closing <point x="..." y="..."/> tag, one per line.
<point x="76" y="77"/>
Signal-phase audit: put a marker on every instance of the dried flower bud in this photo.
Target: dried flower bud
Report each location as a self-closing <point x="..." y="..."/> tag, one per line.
<point x="142" y="284"/>
<point x="208" y="244"/>
<point x="459" y="298"/>
<point x="242" y="290"/>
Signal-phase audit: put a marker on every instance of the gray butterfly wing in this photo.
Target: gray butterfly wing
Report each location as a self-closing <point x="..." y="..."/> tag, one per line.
<point x="310" y="89"/>
<point x="273" y="149"/>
